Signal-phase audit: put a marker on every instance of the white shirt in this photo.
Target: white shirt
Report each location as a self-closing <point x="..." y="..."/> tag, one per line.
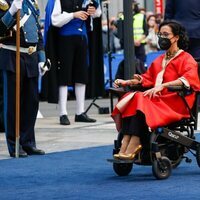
<point x="60" y="18"/>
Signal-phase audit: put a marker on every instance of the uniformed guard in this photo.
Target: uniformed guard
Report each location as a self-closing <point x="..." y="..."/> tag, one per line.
<point x="32" y="56"/>
<point x="1" y="104"/>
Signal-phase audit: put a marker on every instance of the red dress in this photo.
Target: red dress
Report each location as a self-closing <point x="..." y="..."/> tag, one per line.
<point x="168" y="107"/>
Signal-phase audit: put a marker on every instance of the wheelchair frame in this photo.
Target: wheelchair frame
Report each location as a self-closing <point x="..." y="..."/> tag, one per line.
<point x="161" y="161"/>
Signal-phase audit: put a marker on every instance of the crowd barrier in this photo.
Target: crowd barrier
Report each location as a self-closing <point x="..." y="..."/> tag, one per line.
<point x="115" y="60"/>
<point x="150" y="57"/>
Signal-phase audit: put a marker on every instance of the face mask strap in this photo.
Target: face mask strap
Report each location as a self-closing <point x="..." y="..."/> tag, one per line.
<point x="172" y="38"/>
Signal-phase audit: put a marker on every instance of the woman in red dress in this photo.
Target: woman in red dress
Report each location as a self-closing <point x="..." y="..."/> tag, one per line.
<point x="136" y="112"/>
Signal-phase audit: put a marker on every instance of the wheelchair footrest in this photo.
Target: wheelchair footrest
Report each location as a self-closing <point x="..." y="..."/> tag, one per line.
<point x="112" y="160"/>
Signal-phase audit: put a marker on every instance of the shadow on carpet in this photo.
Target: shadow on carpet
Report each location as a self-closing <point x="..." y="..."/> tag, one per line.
<point x="85" y="174"/>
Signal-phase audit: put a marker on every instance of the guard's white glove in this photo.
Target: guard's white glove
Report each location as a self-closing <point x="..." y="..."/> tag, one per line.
<point x="15" y="6"/>
<point x="41" y="68"/>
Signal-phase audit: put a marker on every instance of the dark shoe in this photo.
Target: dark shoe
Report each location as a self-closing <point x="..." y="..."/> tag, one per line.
<point x="22" y="154"/>
<point x="84" y="118"/>
<point x="64" y="120"/>
<point x="2" y="129"/>
<point x="33" y="151"/>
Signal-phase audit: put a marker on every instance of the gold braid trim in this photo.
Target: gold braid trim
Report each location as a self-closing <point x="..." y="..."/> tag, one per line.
<point x="4" y="5"/>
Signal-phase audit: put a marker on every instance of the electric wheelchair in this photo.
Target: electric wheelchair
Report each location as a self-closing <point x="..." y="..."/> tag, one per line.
<point x="166" y="146"/>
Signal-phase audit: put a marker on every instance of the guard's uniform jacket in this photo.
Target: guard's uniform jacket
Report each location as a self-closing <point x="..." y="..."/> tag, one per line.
<point x="31" y="53"/>
<point x="30" y="33"/>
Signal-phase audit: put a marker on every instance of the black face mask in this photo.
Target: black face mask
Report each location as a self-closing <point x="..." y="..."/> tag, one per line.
<point x="164" y="43"/>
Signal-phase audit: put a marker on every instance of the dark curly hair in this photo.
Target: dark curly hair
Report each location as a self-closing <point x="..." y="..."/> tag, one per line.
<point x="177" y="29"/>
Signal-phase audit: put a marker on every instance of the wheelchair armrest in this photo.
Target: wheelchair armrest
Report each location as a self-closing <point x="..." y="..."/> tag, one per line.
<point x="176" y="88"/>
<point x="138" y="87"/>
<point x="182" y="91"/>
<point x="121" y="90"/>
<point x="118" y="91"/>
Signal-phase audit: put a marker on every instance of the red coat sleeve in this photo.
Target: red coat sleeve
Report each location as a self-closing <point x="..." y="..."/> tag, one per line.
<point x="189" y="70"/>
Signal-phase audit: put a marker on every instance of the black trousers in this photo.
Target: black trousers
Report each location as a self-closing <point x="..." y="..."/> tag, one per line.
<point x="29" y="102"/>
<point x="136" y="125"/>
<point x="1" y="104"/>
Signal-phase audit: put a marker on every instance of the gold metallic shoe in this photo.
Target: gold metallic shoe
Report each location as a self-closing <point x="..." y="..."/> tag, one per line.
<point x="118" y="155"/>
<point x="131" y="156"/>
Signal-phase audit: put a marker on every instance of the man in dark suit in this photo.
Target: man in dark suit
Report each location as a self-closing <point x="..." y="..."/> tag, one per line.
<point x="1" y="104"/>
<point x="32" y="56"/>
<point x="188" y="14"/>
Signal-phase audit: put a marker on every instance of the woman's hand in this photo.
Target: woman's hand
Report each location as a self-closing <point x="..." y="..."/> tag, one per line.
<point x="137" y="77"/>
<point x="120" y="82"/>
<point x="137" y="43"/>
<point x="91" y="10"/>
<point x="153" y="92"/>
<point x="81" y="15"/>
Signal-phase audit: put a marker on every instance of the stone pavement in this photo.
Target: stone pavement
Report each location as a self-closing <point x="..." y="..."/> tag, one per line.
<point x="52" y="137"/>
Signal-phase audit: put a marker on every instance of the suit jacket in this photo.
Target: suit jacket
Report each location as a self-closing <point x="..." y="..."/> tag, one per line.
<point x="187" y="13"/>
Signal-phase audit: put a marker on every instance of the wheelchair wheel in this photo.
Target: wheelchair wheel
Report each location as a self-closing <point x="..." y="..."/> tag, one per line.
<point x="173" y="151"/>
<point x="198" y="155"/>
<point x="161" y="169"/>
<point x="122" y="169"/>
